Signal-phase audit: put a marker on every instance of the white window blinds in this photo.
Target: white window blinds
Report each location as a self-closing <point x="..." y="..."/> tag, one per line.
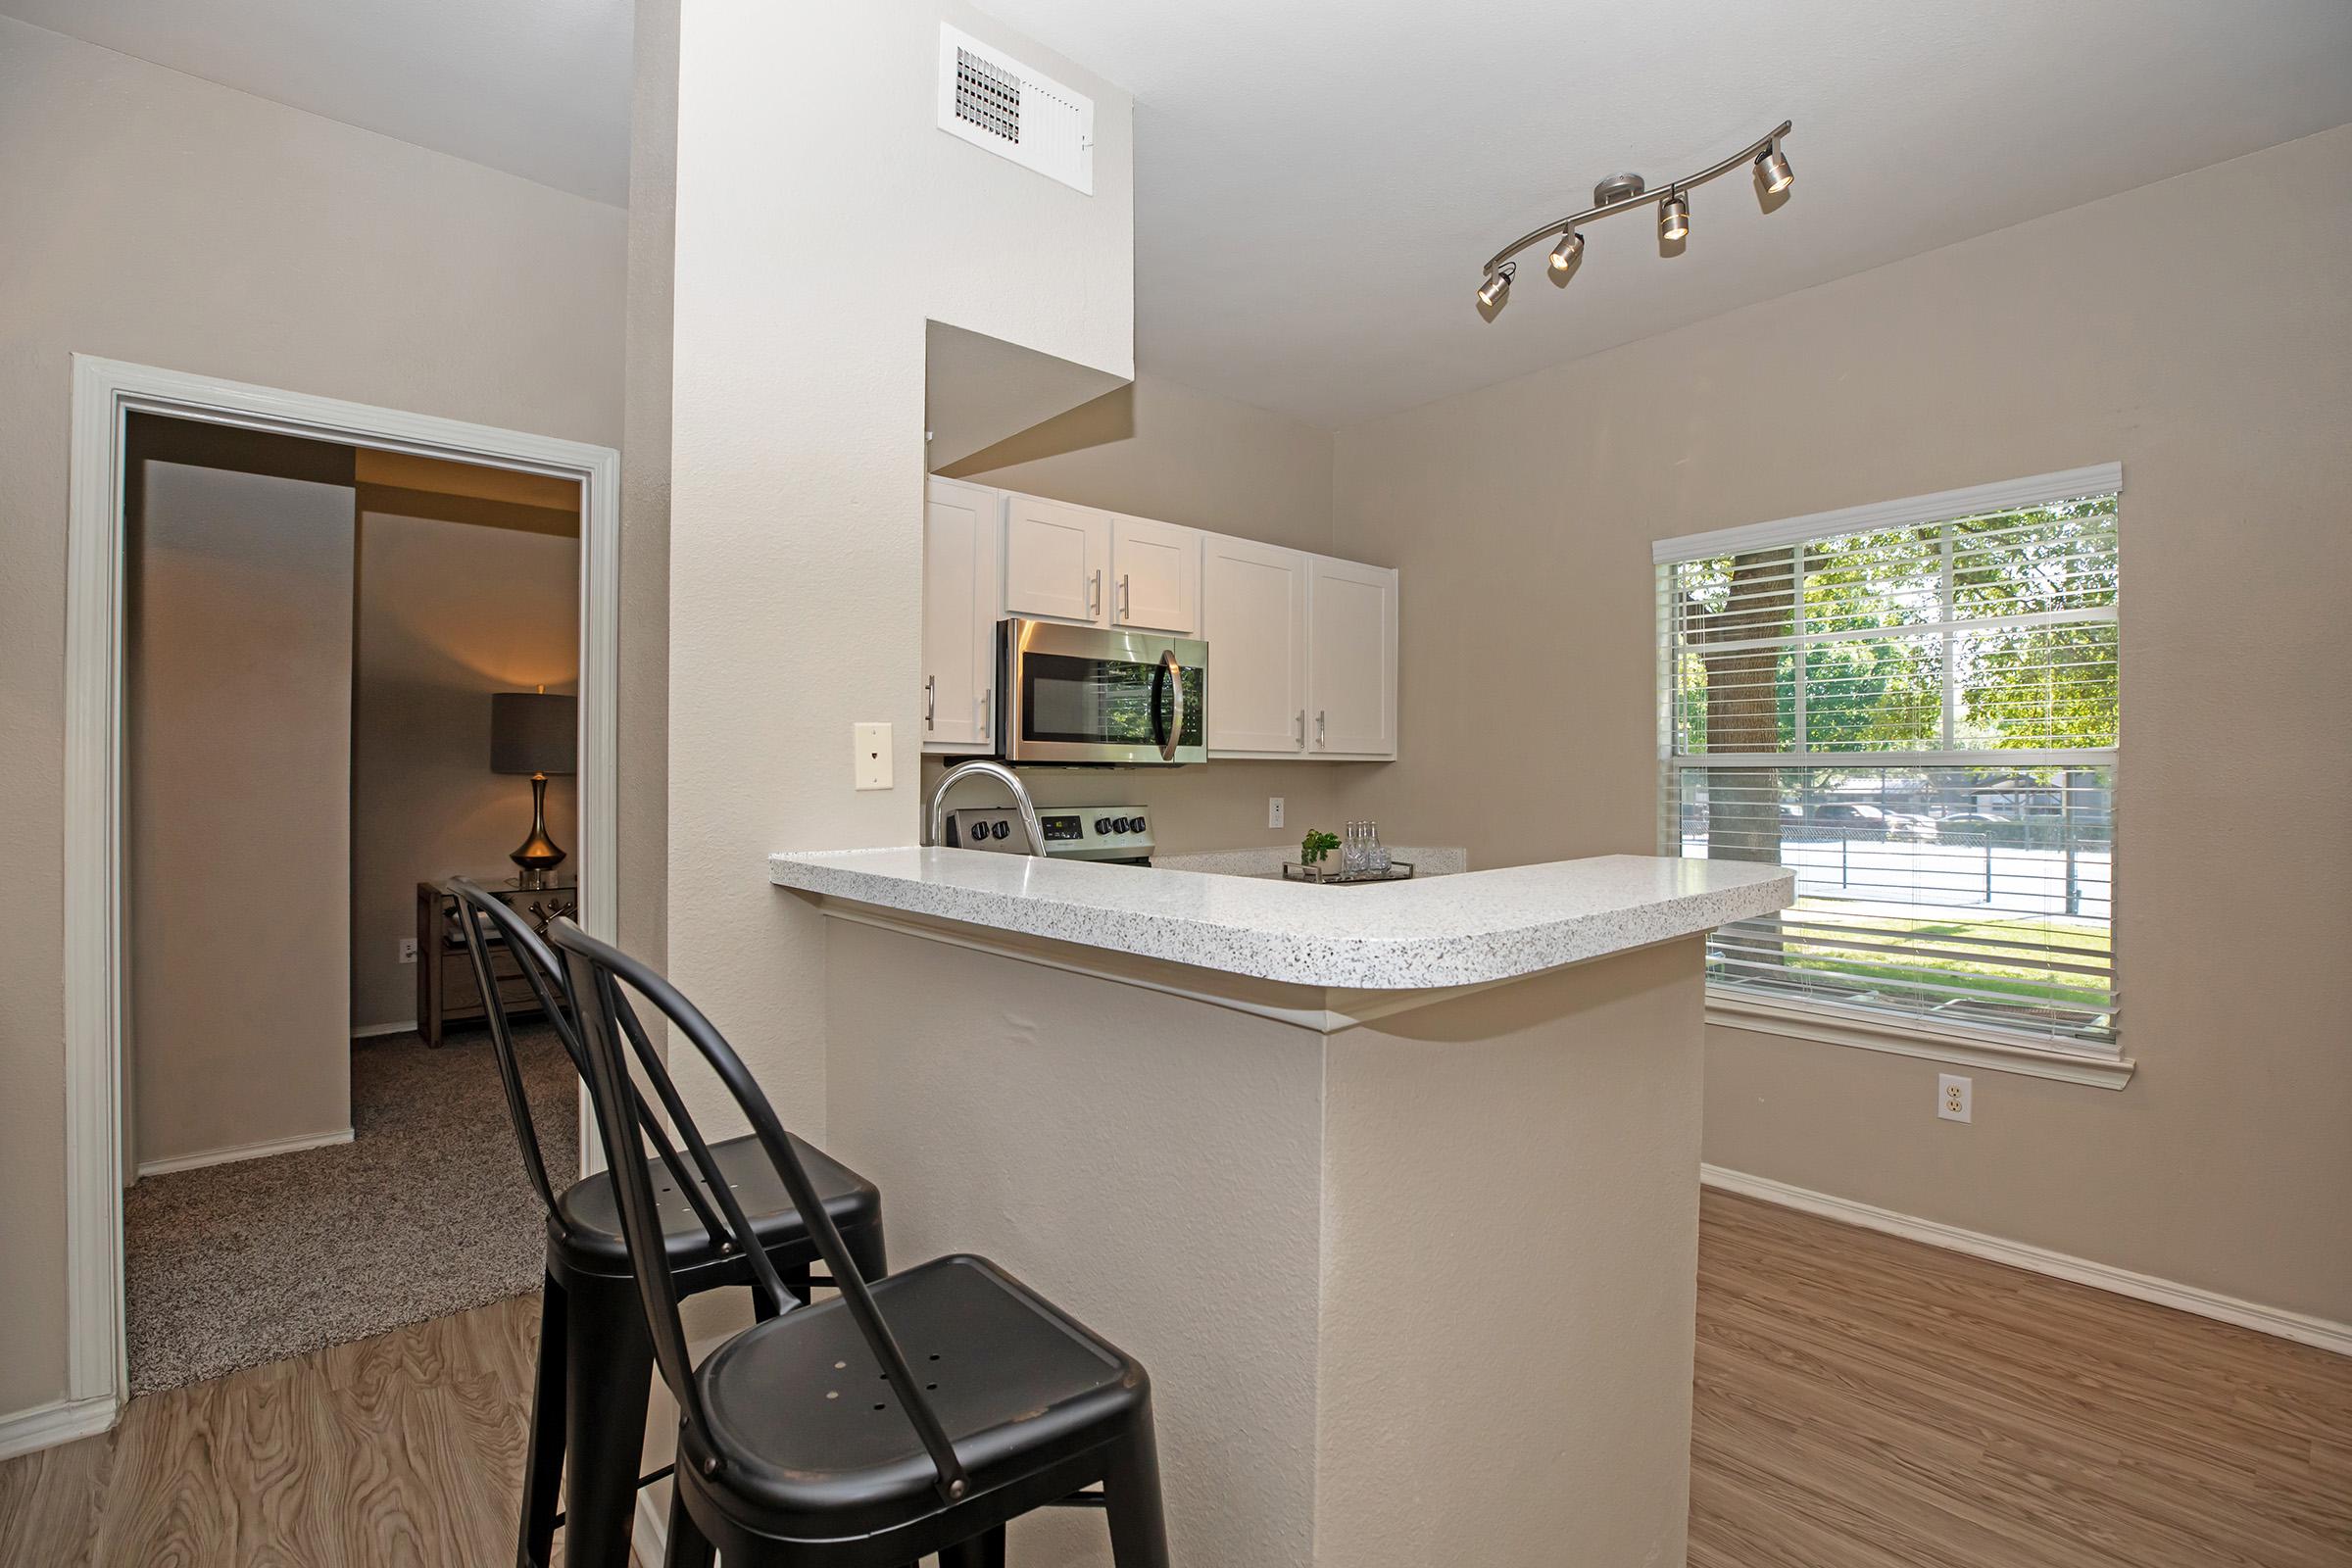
<point x="1914" y="707"/>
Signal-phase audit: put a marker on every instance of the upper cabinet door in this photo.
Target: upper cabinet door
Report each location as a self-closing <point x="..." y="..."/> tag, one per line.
<point x="1253" y="618"/>
<point x="960" y="530"/>
<point x="1351" y="658"/>
<point x="1154" y="577"/>
<point x="1056" y="560"/>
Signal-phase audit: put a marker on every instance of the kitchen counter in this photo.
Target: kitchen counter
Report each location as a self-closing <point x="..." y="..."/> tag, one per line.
<point x="1394" y="1186"/>
<point x="1474" y="928"/>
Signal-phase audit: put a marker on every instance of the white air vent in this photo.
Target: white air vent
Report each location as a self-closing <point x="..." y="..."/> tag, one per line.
<point x="991" y="100"/>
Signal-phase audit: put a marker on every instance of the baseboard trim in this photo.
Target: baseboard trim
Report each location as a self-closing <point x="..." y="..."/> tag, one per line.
<point x="260" y="1150"/>
<point x="45" y="1426"/>
<point x="648" y="1536"/>
<point x="2300" y="1327"/>
<point x="375" y="1029"/>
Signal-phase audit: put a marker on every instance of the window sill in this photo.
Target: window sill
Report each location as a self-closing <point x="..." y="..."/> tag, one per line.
<point x="1904" y="1037"/>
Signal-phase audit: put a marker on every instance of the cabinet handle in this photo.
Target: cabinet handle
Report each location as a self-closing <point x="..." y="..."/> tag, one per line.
<point x="1303" y="729"/>
<point x="1126" y="598"/>
<point x="1093" y="592"/>
<point x="930" y="701"/>
<point x="1319" y="740"/>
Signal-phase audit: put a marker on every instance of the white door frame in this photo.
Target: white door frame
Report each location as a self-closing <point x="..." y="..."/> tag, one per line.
<point x="104" y="393"/>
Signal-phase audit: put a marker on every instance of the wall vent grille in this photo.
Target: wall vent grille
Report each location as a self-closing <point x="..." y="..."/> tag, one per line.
<point x="988" y="96"/>
<point x="993" y="101"/>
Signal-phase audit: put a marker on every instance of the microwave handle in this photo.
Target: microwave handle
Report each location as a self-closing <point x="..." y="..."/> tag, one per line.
<point x="1173" y="673"/>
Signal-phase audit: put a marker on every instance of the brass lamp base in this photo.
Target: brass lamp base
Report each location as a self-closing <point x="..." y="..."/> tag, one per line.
<point x="537" y="854"/>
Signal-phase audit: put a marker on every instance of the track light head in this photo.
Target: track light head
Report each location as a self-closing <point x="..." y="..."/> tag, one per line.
<point x="1674" y="217"/>
<point x="1773" y="173"/>
<point x="1566" y="252"/>
<point x="1497" y="286"/>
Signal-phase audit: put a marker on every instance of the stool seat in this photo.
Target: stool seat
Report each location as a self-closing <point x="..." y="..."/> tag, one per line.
<point x="585" y="1232"/>
<point x="809" y="1434"/>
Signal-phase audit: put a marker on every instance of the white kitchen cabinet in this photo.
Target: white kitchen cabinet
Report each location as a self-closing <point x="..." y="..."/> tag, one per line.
<point x="963" y="593"/>
<point x="1154" y="577"/>
<point x="1351" y="658"/>
<point x="1056" y="560"/>
<point x="1253" y="618"/>
<point x="1301" y="648"/>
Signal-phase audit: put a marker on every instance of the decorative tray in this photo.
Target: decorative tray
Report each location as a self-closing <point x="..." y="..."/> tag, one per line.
<point x="1293" y="871"/>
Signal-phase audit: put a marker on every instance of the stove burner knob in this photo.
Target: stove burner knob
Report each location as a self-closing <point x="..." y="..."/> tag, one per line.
<point x="1125" y="824"/>
<point x="1002" y="830"/>
<point x="1103" y="824"/>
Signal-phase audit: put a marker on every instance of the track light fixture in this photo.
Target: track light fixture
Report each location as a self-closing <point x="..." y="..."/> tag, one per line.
<point x="1674" y="218"/>
<point x="1622" y="193"/>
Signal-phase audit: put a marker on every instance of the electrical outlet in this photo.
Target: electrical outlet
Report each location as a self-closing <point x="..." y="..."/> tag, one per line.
<point x="1273" y="811"/>
<point x="871" y="744"/>
<point x="1951" y="1097"/>
<point x="408" y="950"/>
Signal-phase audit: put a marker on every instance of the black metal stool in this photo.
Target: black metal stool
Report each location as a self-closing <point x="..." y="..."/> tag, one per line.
<point x="912" y="1416"/>
<point x="595" y="1363"/>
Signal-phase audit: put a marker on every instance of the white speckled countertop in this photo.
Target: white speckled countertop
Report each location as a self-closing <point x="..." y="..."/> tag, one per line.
<point x="1470" y="929"/>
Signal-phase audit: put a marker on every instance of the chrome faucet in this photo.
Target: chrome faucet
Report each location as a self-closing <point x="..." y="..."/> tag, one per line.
<point x="935" y="815"/>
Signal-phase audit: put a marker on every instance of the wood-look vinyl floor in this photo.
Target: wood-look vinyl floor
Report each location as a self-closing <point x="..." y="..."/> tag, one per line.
<point x="404" y="1449"/>
<point x="1867" y="1402"/>
<point x="1862" y="1401"/>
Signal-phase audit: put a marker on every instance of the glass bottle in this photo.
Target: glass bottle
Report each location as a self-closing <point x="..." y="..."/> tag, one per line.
<point x="1375" y="854"/>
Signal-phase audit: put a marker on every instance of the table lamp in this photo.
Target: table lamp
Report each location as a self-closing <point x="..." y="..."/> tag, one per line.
<point x="531" y="732"/>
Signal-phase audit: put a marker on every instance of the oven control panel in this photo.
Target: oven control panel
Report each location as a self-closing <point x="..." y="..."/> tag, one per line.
<point x="1072" y="833"/>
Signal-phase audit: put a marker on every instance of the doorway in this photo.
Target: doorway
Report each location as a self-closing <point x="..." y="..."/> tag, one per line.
<point x="108" y="397"/>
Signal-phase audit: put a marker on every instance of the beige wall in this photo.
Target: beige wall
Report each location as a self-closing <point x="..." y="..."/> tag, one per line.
<point x="1155" y="448"/>
<point x="644" y="766"/>
<point x="449" y="613"/>
<point x="238" y="814"/>
<point x="803" y="285"/>
<point x="2199" y="331"/>
<point x="159" y="218"/>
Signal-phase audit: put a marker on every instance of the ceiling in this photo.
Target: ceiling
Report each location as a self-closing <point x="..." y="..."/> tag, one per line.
<point x="1318" y="182"/>
<point x="536" y="88"/>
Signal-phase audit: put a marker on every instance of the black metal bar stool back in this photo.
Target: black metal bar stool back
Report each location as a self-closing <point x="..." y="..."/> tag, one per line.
<point x="595" y="1361"/>
<point x="909" y="1415"/>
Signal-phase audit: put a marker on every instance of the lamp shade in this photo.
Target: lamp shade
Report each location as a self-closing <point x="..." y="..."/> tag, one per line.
<point x="532" y="732"/>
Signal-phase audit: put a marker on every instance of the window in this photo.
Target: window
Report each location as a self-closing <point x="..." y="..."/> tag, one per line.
<point x="1914" y="707"/>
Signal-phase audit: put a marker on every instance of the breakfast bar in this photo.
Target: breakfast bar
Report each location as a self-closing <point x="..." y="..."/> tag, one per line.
<point x="1393" y="1187"/>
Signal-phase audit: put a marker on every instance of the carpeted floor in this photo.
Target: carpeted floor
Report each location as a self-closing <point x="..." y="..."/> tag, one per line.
<point x="426" y="1211"/>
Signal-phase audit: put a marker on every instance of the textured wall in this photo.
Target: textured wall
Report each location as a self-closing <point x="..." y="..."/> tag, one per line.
<point x="2195" y="330"/>
<point x="238" y="818"/>
<point x="159" y="218"/>
<point x="804" y="276"/>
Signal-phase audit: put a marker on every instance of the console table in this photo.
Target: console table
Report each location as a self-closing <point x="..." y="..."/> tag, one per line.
<point x="446" y="992"/>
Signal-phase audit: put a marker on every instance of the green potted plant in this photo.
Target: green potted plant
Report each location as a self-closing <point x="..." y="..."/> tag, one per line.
<point x="1316" y="845"/>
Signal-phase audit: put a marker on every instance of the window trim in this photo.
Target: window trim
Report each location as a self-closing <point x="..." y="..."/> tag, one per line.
<point x="1971" y="501"/>
<point x="1990" y="1050"/>
<point x="1736" y="1007"/>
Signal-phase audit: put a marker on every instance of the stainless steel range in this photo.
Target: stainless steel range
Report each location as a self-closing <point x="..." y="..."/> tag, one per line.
<point x="1120" y="835"/>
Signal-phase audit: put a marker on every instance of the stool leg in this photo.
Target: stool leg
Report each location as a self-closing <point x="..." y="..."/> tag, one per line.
<point x="610" y="1365"/>
<point x="687" y="1547"/>
<point x="542" y="1461"/>
<point x="1139" y="1535"/>
<point x="981" y="1552"/>
<point x="867" y="1252"/>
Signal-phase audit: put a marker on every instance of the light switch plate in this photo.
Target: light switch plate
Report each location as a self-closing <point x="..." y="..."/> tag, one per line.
<point x="872" y="743"/>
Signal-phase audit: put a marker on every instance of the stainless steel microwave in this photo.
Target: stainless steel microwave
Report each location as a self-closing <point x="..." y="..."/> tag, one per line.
<point x="1080" y="693"/>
